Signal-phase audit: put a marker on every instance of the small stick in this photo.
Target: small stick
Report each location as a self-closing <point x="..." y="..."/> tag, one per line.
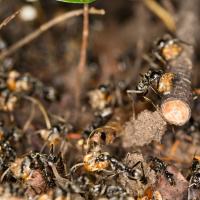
<point x="83" y="52"/>
<point x="162" y="13"/>
<point x="84" y="45"/>
<point x="42" y="109"/>
<point x="30" y="37"/>
<point x="30" y="118"/>
<point x="176" y="106"/>
<point x="9" y="19"/>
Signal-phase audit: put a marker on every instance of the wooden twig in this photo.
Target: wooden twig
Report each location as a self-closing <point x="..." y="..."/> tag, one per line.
<point x="83" y="52"/>
<point x="162" y="13"/>
<point x="176" y="106"/>
<point x="8" y="19"/>
<point x="27" y="39"/>
<point x="84" y="45"/>
<point x="42" y="109"/>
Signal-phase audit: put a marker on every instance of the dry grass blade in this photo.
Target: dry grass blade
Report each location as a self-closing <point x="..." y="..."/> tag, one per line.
<point x="9" y="19"/>
<point x="162" y="13"/>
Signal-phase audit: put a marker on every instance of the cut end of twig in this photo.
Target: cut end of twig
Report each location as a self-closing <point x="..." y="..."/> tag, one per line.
<point x="176" y="111"/>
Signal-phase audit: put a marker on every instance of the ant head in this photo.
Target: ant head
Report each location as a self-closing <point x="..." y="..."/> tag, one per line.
<point x="161" y="42"/>
<point x="155" y="74"/>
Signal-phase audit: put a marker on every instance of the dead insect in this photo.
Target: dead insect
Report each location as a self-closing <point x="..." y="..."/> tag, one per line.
<point x="161" y="168"/>
<point x="36" y="165"/>
<point x="104" y="135"/>
<point x="101" y="97"/>
<point x="167" y="48"/>
<point x="57" y="134"/>
<point x="19" y="83"/>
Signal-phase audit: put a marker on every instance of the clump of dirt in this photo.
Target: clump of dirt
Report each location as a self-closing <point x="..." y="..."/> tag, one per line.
<point x="147" y="127"/>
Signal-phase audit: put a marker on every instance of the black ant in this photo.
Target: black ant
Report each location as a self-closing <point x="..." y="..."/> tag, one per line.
<point x="119" y="167"/>
<point x="164" y="82"/>
<point x="160" y="167"/>
<point x="7" y="155"/>
<point x="22" y="168"/>
<point x="147" y="80"/>
<point x="100" y="119"/>
<point x="96" y="161"/>
<point x="195" y="176"/>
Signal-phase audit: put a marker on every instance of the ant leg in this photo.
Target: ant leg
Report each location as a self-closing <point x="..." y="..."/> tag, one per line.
<point x="134" y="91"/>
<point x="136" y="164"/>
<point x="111" y="175"/>
<point x="150" y="101"/>
<point x="150" y="61"/>
<point x="155" y="90"/>
<point x="182" y="41"/>
<point x="141" y="165"/>
<point x="74" y="168"/>
<point x="143" y="179"/>
<point x="160" y="58"/>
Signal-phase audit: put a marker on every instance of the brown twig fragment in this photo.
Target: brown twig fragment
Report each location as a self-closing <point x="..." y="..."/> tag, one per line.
<point x="176" y="106"/>
<point x="27" y="39"/>
<point x="83" y="51"/>
<point x="8" y="19"/>
<point x="162" y="13"/>
<point x="84" y="45"/>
